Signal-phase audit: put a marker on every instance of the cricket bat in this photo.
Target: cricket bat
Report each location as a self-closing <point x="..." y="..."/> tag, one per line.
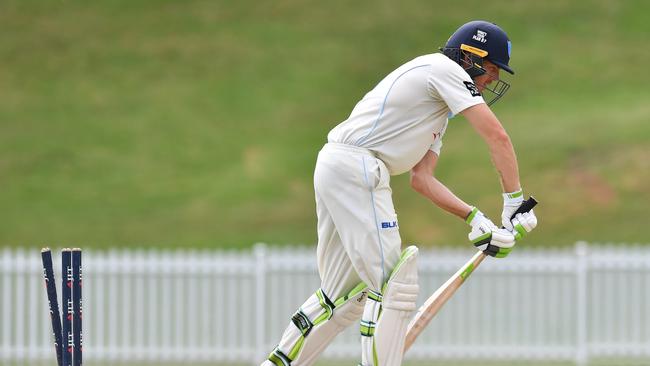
<point x="434" y="303"/>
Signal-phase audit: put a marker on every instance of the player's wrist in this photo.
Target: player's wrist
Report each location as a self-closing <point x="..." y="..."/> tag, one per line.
<point x="471" y="215"/>
<point x="477" y="218"/>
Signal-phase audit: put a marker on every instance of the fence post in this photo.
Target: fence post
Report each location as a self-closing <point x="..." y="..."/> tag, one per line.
<point x="6" y="315"/>
<point x="582" y="354"/>
<point x="260" y="300"/>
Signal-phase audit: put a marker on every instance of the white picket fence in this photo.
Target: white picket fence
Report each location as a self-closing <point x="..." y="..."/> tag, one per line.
<point x="591" y="301"/>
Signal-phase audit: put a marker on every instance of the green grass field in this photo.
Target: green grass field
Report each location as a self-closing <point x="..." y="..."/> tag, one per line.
<point x="197" y="123"/>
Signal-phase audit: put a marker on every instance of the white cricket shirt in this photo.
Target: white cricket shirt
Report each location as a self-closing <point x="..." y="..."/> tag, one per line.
<point x="406" y="113"/>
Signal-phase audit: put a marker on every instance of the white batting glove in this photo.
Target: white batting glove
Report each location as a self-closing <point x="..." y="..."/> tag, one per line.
<point x="521" y="224"/>
<point x="524" y="223"/>
<point x="488" y="237"/>
<point x="511" y="202"/>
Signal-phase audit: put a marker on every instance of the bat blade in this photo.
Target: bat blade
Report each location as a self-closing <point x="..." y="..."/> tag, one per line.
<point x="430" y="308"/>
<point x="434" y="303"/>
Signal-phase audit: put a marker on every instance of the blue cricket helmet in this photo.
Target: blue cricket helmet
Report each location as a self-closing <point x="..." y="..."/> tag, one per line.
<point x="485" y="40"/>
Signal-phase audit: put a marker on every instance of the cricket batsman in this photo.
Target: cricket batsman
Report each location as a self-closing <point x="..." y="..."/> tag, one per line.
<point x="397" y="127"/>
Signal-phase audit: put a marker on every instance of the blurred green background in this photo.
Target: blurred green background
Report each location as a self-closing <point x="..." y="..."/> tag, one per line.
<point x="197" y="123"/>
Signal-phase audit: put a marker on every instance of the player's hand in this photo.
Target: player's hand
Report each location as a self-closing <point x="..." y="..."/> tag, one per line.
<point x="524" y="223"/>
<point x="521" y="224"/>
<point x="488" y="237"/>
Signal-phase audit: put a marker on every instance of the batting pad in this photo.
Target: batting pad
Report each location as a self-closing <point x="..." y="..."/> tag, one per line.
<point x="314" y="326"/>
<point x="384" y="344"/>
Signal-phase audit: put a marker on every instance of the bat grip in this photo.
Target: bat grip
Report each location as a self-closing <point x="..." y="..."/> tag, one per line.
<point x="526" y="206"/>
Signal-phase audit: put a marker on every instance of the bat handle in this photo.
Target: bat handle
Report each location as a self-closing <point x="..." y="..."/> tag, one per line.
<point x="526" y="206"/>
<point x="433" y="304"/>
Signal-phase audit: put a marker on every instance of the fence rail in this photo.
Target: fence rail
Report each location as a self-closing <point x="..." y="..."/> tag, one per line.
<point x="576" y="304"/>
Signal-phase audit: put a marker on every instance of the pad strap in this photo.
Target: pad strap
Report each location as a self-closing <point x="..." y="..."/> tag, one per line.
<point x="371" y="314"/>
<point x="302" y="322"/>
<point x="367" y="326"/>
<point x="326" y="304"/>
<point x="279" y="358"/>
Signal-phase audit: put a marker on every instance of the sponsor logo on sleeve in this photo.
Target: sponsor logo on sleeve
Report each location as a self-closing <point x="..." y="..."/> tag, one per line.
<point x="472" y="89"/>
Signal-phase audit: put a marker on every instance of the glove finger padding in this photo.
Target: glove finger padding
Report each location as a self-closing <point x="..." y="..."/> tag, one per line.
<point x="497" y="252"/>
<point x="502" y="238"/>
<point x="524" y="223"/>
<point x="498" y="244"/>
<point x="488" y="237"/>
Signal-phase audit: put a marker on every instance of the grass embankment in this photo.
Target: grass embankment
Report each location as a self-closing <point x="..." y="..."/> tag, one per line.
<point x="197" y="123"/>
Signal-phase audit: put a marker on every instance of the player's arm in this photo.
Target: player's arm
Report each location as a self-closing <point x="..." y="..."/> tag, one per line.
<point x="487" y="125"/>
<point x="424" y="182"/>
<point x="484" y="234"/>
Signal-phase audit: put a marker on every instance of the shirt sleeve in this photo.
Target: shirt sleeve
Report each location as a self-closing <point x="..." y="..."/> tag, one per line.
<point x="436" y="147"/>
<point x="447" y="81"/>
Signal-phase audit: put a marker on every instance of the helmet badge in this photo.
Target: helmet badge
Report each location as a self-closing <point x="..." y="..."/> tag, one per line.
<point x="480" y="36"/>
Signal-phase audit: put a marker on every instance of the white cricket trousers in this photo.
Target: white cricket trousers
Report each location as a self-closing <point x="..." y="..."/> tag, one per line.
<point x="358" y="241"/>
<point x="358" y="231"/>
